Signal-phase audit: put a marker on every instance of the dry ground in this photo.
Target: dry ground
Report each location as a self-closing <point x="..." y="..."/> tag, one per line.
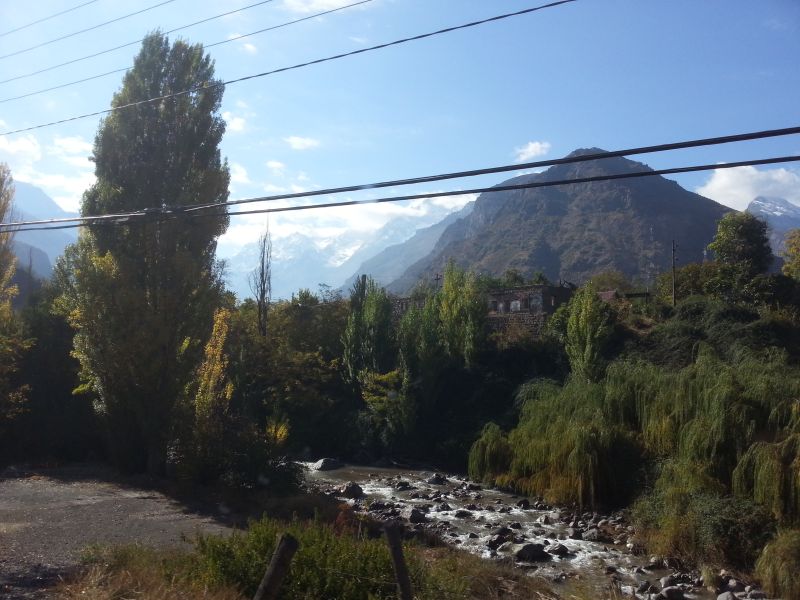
<point x="49" y="516"/>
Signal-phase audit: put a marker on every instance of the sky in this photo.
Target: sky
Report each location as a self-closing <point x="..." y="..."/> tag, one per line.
<point x="593" y="73"/>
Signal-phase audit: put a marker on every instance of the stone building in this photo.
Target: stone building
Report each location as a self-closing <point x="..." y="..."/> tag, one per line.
<point x="525" y="306"/>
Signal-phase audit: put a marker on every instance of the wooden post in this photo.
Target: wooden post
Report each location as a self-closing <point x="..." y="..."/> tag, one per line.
<point x="276" y="571"/>
<point x="395" y="541"/>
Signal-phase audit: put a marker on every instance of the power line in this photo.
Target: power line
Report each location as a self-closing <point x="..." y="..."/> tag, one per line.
<point x="225" y="41"/>
<point x="175" y="212"/>
<point x="47" y="18"/>
<point x="93" y="27"/>
<point x="712" y="141"/>
<point x="107" y="50"/>
<point x="290" y="68"/>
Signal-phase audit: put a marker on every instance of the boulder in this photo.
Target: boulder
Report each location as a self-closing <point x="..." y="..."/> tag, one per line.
<point x="574" y="533"/>
<point x="592" y="535"/>
<point x="437" y="479"/>
<point x="327" y="464"/>
<point x="727" y="596"/>
<point x="559" y="550"/>
<point x="462" y="514"/>
<point x="524" y="504"/>
<point x="667" y="581"/>
<point x="734" y="585"/>
<point x="351" y="490"/>
<point x="672" y="592"/>
<point x="530" y="553"/>
<point x="417" y="516"/>
<point x="756" y="595"/>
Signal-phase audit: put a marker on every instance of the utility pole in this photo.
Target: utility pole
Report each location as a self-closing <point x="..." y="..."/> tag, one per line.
<point x="673" y="272"/>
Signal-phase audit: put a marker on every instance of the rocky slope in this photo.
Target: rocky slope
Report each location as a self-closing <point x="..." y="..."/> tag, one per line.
<point x="574" y="231"/>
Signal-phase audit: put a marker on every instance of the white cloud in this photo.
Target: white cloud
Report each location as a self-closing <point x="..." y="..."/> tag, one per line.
<point x="313" y="6"/>
<point x="737" y="187"/>
<point x="70" y="145"/>
<point x="276" y="166"/>
<point x="273" y="189"/>
<point x="297" y="189"/>
<point x="301" y="143"/>
<point x="531" y="150"/>
<point x="20" y="152"/>
<point x="234" y="123"/>
<point x="301" y="176"/>
<point x="250" y="48"/>
<point x="238" y="173"/>
<point x="361" y="41"/>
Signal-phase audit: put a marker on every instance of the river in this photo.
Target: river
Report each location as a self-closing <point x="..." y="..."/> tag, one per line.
<point x="478" y="520"/>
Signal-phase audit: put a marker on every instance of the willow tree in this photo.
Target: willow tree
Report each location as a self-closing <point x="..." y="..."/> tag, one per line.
<point x="141" y="296"/>
<point x="588" y="330"/>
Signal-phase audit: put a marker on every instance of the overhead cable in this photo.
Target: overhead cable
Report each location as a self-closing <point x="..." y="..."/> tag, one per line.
<point x="712" y="141"/>
<point x="225" y="41"/>
<point x="290" y="68"/>
<point x="177" y="212"/>
<point x="47" y="18"/>
<point x="92" y="28"/>
<point x="107" y="50"/>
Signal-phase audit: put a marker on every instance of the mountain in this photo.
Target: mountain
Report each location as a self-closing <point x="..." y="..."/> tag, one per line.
<point x="33" y="204"/>
<point x="781" y="216"/>
<point x="392" y="262"/>
<point x="574" y="231"/>
<point x="32" y="259"/>
<point x="304" y="261"/>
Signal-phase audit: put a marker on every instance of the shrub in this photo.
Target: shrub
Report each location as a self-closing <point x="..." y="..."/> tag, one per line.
<point x="686" y="515"/>
<point x="327" y="564"/>
<point x="778" y="567"/>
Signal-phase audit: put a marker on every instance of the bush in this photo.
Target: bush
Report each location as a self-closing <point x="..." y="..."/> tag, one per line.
<point x="778" y="567"/>
<point x="327" y="564"/>
<point x="687" y="516"/>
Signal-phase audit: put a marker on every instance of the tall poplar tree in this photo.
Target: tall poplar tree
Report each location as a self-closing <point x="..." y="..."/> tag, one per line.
<point x="142" y="296"/>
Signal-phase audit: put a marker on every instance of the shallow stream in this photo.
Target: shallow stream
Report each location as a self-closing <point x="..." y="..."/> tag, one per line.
<point x="468" y="516"/>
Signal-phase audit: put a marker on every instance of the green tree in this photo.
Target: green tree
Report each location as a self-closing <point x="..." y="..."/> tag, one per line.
<point x="462" y="314"/>
<point x="791" y="255"/>
<point x="588" y="330"/>
<point x="12" y="344"/>
<point x="368" y="338"/>
<point x="742" y="251"/>
<point x="142" y="297"/>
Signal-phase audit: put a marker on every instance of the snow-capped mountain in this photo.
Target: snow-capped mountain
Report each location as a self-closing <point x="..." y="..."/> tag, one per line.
<point x="780" y="214"/>
<point x="304" y="261"/>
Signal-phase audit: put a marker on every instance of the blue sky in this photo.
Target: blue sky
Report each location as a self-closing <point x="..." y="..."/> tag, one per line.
<point x="605" y="73"/>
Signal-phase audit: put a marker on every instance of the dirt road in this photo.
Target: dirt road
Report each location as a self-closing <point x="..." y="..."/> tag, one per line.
<point x="48" y="517"/>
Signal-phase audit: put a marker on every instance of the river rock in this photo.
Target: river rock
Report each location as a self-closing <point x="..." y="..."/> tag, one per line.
<point x="327" y="464"/>
<point x="667" y="581"/>
<point x="734" y="585"/>
<point x="574" y="533"/>
<point x="559" y="550"/>
<point x="437" y="479"/>
<point x="544" y="520"/>
<point x="351" y="490"/>
<point x="524" y="504"/>
<point x="444" y="506"/>
<point x="756" y="595"/>
<point x="417" y="516"/>
<point x="462" y="514"/>
<point x="593" y="535"/>
<point x="530" y="553"/>
<point x="727" y="596"/>
<point x="672" y="592"/>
